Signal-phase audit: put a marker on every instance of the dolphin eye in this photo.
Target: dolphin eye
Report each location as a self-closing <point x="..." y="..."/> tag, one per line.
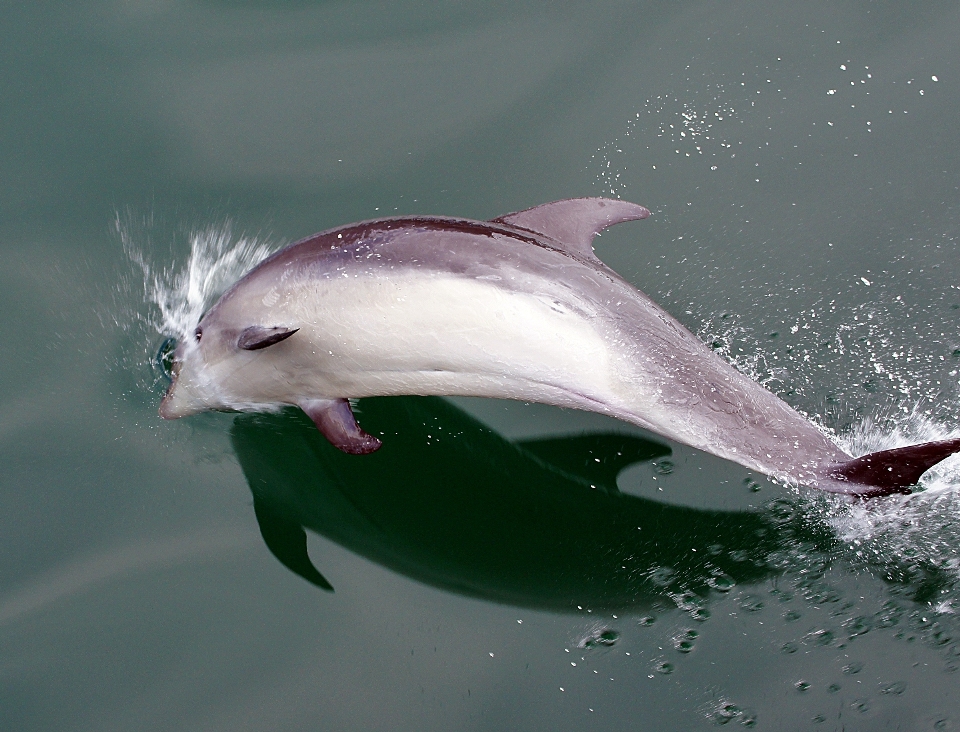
<point x="198" y="333"/>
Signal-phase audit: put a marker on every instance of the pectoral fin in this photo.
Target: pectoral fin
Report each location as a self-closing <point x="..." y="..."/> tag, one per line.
<point x="257" y="337"/>
<point x="335" y="420"/>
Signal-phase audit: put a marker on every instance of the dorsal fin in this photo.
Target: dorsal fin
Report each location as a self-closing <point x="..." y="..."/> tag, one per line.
<point x="893" y="471"/>
<point x="574" y="222"/>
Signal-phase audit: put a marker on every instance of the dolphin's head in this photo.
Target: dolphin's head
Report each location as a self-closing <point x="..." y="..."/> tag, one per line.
<point x="209" y="369"/>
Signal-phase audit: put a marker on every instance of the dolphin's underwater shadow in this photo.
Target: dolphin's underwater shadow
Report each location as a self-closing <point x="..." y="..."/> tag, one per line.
<point x="450" y="503"/>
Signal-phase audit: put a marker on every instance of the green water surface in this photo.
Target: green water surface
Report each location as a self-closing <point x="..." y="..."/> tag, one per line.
<point x="496" y="566"/>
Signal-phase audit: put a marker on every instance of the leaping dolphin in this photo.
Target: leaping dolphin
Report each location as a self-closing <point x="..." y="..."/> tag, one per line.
<point x="514" y="308"/>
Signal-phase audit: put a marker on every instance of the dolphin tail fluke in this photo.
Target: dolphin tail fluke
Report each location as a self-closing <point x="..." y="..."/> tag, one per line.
<point x="892" y="471"/>
<point x="287" y="541"/>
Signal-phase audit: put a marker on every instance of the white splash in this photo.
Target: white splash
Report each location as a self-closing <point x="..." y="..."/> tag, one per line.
<point x="181" y="293"/>
<point x="911" y="428"/>
<point x="696" y="123"/>
<point x="920" y="528"/>
<point x="915" y="405"/>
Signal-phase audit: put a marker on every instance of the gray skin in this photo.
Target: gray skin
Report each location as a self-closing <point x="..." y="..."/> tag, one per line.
<point x="515" y="308"/>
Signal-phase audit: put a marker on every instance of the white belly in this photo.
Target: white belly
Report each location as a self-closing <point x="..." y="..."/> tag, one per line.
<point x="429" y="334"/>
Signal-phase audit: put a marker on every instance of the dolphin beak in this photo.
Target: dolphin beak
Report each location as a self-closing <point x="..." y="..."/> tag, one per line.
<point x="170" y="407"/>
<point x="178" y="401"/>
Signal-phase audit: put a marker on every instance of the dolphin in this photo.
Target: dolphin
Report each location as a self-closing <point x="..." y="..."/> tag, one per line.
<point x="517" y="308"/>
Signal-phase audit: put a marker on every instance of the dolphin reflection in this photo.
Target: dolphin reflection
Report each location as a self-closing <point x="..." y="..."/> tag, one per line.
<point x="450" y="503"/>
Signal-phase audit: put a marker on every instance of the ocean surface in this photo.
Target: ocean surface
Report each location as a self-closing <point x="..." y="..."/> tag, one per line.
<point x="496" y="565"/>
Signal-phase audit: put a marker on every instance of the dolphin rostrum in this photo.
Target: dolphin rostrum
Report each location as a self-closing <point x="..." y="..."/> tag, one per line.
<point x="514" y="308"/>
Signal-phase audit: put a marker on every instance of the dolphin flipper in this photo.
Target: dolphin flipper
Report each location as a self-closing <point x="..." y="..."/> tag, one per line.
<point x="574" y="222"/>
<point x="335" y="420"/>
<point x="257" y="337"/>
<point x="287" y="541"/>
<point x="892" y="471"/>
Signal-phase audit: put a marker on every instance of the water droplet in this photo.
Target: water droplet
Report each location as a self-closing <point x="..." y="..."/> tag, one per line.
<point x="896" y="688"/>
<point x="783" y="595"/>
<point x="852" y="668"/>
<point x="664" y="668"/>
<point x="726" y="712"/>
<point x="888" y="616"/>
<point x="782" y="510"/>
<point x="833" y="688"/>
<point x="605" y="638"/>
<point x="684" y="642"/>
<point x="700" y="614"/>
<point x="791" y="616"/>
<point x="821" y="637"/>
<point x="857" y="626"/>
<point x="662" y="576"/>
<point x="646" y="620"/>
<point x="802" y="685"/>
<point x="663" y="467"/>
<point x="939" y="637"/>
<point x="722" y="582"/>
<point x="789" y="647"/>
